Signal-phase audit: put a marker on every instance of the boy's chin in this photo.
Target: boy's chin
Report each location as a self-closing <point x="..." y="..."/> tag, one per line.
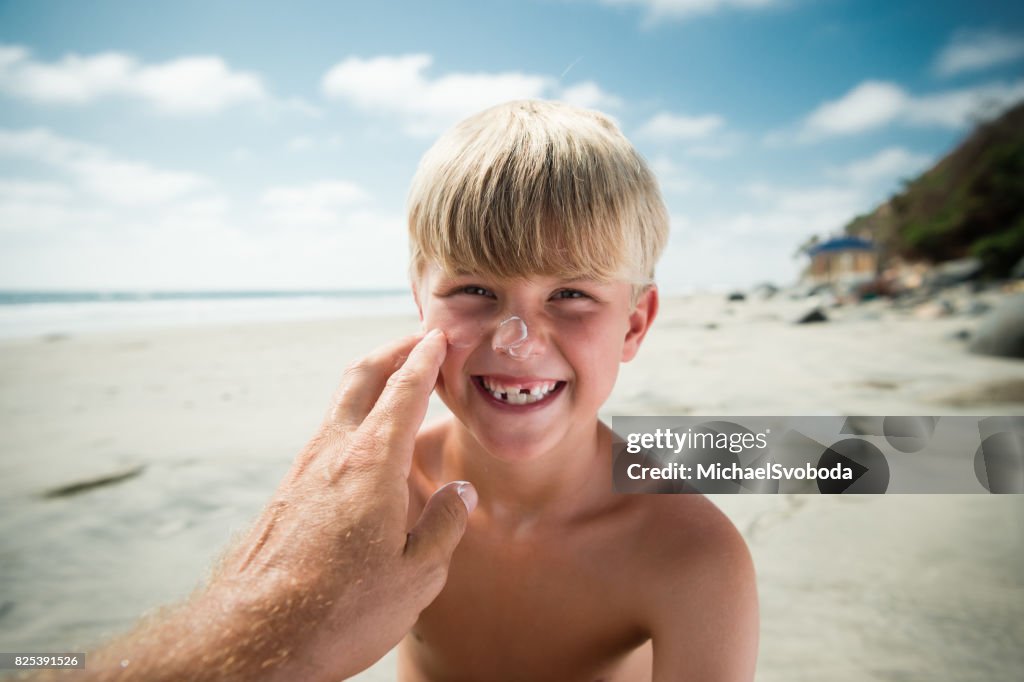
<point x="514" y="449"/>
<point x="512" y="444"/>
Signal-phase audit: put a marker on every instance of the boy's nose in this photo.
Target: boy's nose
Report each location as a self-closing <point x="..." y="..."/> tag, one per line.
<point x="514" y="338"/>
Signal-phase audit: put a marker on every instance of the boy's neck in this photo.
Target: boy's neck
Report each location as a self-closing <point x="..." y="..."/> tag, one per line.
<point x="518" y="496"/>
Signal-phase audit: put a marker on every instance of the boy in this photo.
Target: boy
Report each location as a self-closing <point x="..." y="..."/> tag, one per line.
<point x="534" y="230"/>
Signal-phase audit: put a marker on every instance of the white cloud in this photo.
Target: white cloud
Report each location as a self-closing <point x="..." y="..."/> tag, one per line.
<point x="96" y="171"/>
<point x="32" y="206"/>
<point x="874" y="104"/>
<point x="869" y="105"/>
<point x="684" y="9"/>
<point x="978" y="50"/>
<point x="304" y="143"/>
<point x="753" y="237"/>
<point x="960" y="108"/>
<point x="196" y="85"/>
<point x="677" y="179"/>
<point x="885" y="166"/>
<point x="188" y="85"/>
<point x="426" y="105"/>
<point x="300" y="143"/>
<point x="797" y="211"/>
<point x="318" y="204"/>
<point x="128" y="182"/>
<point x="242" y="154"/>
<point x="589" y="95"/>
<point x="667" y="126"/>
<point x="60" y="235"/>
<point x="33" y="190"/>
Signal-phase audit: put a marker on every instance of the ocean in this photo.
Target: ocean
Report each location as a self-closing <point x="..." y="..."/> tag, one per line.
<point x="27" y="314"/>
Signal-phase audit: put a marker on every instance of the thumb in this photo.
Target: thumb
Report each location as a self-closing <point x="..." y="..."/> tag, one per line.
<point x="442" y="523"/>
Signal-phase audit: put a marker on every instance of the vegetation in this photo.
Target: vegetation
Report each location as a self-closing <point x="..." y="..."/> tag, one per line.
<point x="971" y="203"/>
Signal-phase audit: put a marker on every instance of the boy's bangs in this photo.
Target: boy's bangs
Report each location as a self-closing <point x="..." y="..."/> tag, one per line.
<point x="535" y="188"/>
<point x="553" y="246"/>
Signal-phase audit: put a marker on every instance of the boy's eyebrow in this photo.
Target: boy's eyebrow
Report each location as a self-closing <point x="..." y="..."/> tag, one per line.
<point x="587" y="280"/>
<point x="593" y="280"/>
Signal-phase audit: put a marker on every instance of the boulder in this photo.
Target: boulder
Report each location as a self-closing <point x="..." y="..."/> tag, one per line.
<point x="812" y="315"/>
<point x="977" y="308"/>
<point x="953" y="272"/>
<point x="1018" y="270"/>
<point x="765" y="290"/>
<point x="1001" y="333"/>
<point x="932" y="310"/>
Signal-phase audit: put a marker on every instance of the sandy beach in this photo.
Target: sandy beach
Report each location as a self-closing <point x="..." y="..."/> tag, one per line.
<point x="197" y="425"/>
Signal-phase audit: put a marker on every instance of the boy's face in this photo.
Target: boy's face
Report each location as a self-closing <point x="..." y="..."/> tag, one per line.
<point x="521" y="397"/>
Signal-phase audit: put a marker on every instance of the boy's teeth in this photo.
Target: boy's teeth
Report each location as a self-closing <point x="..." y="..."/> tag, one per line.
<point x="514" y="395"/>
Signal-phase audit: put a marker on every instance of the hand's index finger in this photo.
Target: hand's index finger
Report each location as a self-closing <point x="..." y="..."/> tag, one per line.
<point x="398" y="414"/>
<point x="365" y="379"/>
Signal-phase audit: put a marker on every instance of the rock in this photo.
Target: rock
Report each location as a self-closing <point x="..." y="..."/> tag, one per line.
<point x="933" y="310"/>
<point x="1018" y="270"/>
<point x="812" y="315"/>
<point x="79" y="487"/>
<point x="765" y="290"/>
<point x="961" y="335"/>
<point x="737" y="296"/>
<point x="1002" y="332"/>
<point x="977" y="308"/>
<point x="953" y="272"/>
<point x="820" y="290"/>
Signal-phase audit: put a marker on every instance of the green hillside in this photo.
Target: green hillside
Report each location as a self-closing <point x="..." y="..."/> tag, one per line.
<point x="971" y="203"/>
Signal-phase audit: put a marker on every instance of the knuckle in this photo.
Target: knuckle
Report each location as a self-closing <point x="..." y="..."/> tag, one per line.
<point x="356" y="368"/>
<point x="401" y="380"/>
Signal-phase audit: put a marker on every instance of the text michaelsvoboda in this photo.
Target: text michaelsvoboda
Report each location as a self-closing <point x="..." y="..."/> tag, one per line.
<point x="734" y="472"/>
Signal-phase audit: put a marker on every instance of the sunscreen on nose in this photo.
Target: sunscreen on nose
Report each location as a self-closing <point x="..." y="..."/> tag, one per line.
<point x="510" y="337"/>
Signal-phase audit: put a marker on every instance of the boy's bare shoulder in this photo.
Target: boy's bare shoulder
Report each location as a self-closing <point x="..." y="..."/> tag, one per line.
<point x="698" y="589"/>
<point x="688" y="536"/>
<point x="692" y="521"/>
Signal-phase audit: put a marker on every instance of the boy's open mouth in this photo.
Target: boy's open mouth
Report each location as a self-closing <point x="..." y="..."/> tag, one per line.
<point x="512" y="392"/>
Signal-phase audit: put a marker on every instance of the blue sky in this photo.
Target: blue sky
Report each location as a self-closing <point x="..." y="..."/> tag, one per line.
<point x="199" y="145"/>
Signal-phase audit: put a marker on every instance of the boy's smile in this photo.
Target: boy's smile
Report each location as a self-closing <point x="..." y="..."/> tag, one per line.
<point x="519" y="391"/>
<point x="520" y="403"/>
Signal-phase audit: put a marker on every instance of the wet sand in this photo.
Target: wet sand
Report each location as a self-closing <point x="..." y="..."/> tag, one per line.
<point x="129" y="459"/>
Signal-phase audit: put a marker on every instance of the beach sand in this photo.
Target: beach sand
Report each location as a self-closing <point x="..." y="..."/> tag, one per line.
<point x="194" y="427"/>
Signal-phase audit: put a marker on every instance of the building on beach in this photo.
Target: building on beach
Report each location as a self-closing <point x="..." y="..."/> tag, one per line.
<point x="842" y="260"/>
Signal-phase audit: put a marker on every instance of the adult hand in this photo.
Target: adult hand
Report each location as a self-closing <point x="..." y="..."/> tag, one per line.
<point x="329" y="578"/>
<point x="333" y="541"/>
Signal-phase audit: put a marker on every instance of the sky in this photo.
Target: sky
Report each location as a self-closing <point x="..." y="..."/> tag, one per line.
<point x="251" y="146"/>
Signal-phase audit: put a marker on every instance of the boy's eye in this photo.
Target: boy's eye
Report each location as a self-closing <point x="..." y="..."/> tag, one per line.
<point x="474" y="290"/>
<point x="569" y="294"/>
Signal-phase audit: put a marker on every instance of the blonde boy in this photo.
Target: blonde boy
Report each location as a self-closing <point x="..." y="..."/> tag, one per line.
<point x="535" y="228"/>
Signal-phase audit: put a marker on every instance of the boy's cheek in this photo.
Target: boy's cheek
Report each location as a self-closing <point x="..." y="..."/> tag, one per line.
<point x="445" y="378"/>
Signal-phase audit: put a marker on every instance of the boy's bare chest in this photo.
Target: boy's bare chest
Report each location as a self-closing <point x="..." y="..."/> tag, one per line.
<point x="533" y="610"/>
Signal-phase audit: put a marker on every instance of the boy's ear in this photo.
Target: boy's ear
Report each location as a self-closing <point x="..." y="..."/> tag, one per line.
<point x="640" y="321"/>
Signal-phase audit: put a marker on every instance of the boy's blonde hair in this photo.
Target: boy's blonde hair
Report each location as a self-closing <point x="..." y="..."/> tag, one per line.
<point x="537" y="188"/>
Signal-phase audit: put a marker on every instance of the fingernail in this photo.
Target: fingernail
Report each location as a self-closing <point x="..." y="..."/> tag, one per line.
<point x="468" y="494"/>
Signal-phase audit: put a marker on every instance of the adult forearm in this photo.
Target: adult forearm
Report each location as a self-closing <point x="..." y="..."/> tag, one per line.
<point x="208" y="638"/>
